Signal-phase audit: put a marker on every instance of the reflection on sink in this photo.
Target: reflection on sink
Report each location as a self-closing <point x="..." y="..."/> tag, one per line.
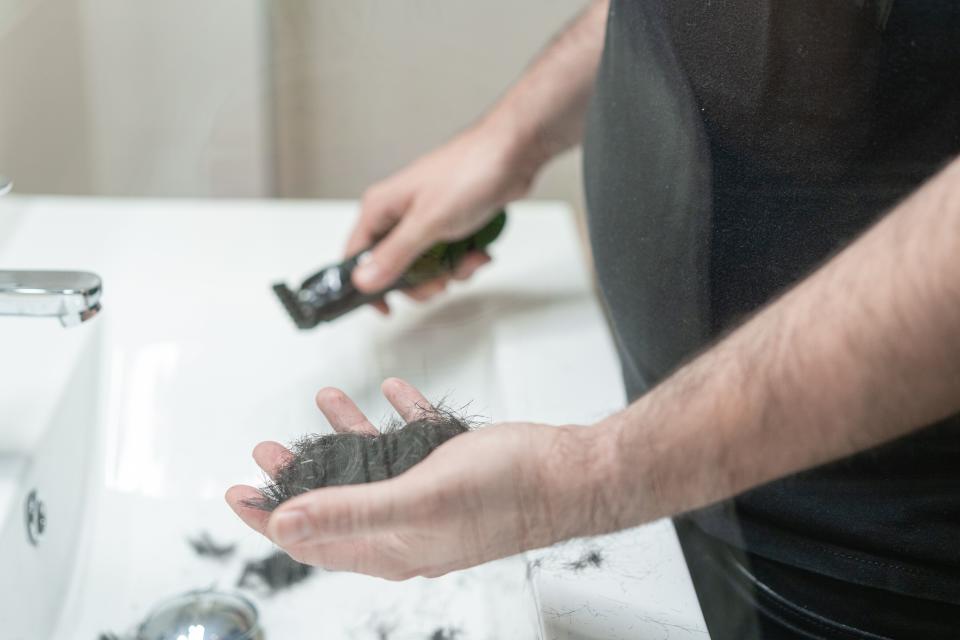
<point x="435" y="348"/>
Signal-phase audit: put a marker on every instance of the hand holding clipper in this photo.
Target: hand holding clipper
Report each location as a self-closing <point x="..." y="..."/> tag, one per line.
<point x="330" y="293"/>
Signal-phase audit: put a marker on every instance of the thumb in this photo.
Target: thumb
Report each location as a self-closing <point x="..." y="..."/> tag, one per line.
<point x="382" y="206"/>
<point x="333" y="513"/>
<point x="390" y="258"/>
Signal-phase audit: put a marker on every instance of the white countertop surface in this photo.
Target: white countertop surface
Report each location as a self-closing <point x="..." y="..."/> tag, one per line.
<point x="200" y="362"/>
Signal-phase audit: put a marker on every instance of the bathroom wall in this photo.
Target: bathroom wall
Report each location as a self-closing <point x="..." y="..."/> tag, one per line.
<point x="44" y="113"/>
<point x="295" y="98"/>
<point x="134" y="97"/>
<point x="362" y="87"/>
<point x="178" y="96"/>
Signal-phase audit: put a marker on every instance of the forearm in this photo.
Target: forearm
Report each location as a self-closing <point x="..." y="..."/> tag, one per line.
<point x="544" y="110"/>
<point x="865" y="350"/>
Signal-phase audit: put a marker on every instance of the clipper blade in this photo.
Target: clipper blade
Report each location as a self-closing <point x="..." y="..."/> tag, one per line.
<point x="303" y="316"/>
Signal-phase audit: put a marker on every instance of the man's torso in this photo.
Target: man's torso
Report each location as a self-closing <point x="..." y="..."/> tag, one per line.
<point x="732" y="147"/>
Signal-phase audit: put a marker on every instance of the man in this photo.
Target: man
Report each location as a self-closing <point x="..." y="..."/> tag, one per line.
<point x="774" y="208"/>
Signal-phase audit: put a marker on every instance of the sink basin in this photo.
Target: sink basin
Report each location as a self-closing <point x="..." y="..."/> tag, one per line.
<point x="42" y="499"/>
<point x="198" y="363"/>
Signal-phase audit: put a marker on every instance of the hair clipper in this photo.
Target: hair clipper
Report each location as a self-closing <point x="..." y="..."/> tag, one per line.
<point x="330" y="293"/>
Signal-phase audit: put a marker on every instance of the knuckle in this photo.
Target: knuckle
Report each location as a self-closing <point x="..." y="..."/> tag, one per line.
<point x="371" y="197"/>
<point x="435" y="223"/>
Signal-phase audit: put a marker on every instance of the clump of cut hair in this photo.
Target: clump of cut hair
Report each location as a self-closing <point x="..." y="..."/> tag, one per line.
<point x="353" y="458"/>
<point x="273" y="573"/>
<point x="590" y="558"/>
<point x="205" y="546"/>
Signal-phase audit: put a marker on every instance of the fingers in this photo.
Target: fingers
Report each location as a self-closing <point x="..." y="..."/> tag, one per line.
<point x="382" y="206"/>
<point x="381" y="306"/>
<point x="467" y="267"/>
<point x="342" y="413"/>
<point x="373" y="555"/>
<point x="336" y="513"/>
<point x="237" y="497"/>
<point x="346" y="417"/>
<point x="393" y="254"/>
<point x="271" y="457"/>
<point x="470" y="263"/>
<point x="368" y="555"/>
<point x="425" y="291"/>
<point x="405" y="398"/>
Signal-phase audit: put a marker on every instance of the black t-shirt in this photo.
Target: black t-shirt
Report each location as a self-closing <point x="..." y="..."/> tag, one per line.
<point x="734" y="145"/>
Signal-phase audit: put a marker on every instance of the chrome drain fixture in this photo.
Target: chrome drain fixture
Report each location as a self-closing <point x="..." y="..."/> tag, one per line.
<point x="202" y="615"/>
<point x="36" y="518"/>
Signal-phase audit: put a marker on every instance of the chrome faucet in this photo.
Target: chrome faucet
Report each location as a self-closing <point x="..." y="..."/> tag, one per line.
<point x="71" y="296"/>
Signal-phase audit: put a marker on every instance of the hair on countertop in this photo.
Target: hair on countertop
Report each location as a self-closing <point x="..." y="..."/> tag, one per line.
<point x="205" y="546"/>
<point x="352" y="458"/>
<point x="273" y="573"/>
<point x="590" y="558"/>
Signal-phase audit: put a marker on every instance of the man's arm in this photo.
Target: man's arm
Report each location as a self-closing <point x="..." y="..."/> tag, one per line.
<point x="451" y="192"/>
<point x="864" y="350"/>
<point x="545" y="109"/>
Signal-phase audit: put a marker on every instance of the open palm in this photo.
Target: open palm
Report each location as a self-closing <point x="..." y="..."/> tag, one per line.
<point x="483" y="495"/>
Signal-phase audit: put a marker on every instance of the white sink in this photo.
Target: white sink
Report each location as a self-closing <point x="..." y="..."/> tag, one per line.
<point x="199" y="363"/>
<point x="56" y="477"/>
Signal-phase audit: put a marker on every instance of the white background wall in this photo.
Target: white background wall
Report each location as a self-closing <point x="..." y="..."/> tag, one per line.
<point x="177" y="96"/>
<point x="133" y="97"/>
<point x="44" y="119"/>
<point x="296" y="98"/>
<point x="364" y="86"/>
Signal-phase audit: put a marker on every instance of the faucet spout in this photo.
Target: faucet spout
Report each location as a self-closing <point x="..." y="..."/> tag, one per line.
<point x="71" y="296"/>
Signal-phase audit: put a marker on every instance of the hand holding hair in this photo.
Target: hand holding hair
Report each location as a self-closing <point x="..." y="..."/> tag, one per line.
<point x="480" y="495"/>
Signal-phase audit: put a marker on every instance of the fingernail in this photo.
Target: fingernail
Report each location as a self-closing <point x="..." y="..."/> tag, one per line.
<point x="367" y="273"/>
<point x="291" y="527"/>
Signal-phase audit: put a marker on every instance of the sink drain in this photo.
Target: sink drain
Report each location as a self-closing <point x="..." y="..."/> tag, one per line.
<point x="36" y="518"/>
<point x="202" y="615"/>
